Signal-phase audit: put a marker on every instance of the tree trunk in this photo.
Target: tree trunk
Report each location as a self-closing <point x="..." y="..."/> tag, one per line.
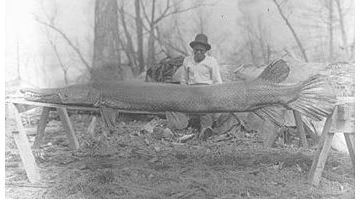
<point x="106" y="38"/>
<point x="342" y="27"/>
<point x="292" y="31"/>
<point x="251" y="48"/>
<point x="331" y="48"/>
<point x="151" y="41"/>
<point x="140" y="38"/>
<point x="129" y="47"/>
<point x="18" y="60"/>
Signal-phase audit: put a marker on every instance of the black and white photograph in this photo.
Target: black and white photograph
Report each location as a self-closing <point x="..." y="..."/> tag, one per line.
<point x="179" y="99"/>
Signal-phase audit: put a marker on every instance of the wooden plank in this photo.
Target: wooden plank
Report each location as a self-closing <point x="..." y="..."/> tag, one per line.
<point x="271" y="137"/>
<point x="91" y="127"/>
<point x="22" y="143"/>
<point x="23" y="107"/>
<point x="41" y="127"/>
<point x="319" y="161"/>
<point x="77" y="107"/>
<point x="344" y="119"/>
<point x="70" y="133"/>
<point x="350" y="142"/>
<point x="326" y="129"/>
<point x="300" y="128"/>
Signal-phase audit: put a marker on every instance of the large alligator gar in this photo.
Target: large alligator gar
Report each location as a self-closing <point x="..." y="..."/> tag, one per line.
<point x="260" y="96"/>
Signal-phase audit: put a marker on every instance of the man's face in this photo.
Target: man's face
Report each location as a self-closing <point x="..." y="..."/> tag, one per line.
<point x="199" y="52"/>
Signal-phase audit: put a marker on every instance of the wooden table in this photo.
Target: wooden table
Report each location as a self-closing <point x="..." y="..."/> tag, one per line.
<point x="339" y="121"/>
<point x="274" y="133"/>
<point x="16" y="106"/>
<point x="342" y="120"/>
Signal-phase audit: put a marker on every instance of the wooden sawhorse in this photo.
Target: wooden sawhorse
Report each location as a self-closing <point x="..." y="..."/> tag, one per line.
<point x="16" y="106"/>
<point x="340" y="121"/>
<point x="300" y="129"/>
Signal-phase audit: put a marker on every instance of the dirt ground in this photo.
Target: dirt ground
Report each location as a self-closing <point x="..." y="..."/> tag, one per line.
<point x="133" y="163"/>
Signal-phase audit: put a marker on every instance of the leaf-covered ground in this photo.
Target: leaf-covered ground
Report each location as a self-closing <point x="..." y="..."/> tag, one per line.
<point x="133" y="163"/>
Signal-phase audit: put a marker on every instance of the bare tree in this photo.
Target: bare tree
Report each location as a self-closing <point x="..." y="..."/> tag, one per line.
<point x="342" y="27"/>
<point x="298" y="42"/>
<point x="67" y="39"/>
<point x="128" y="47"/>
<point x="171" y="8"/>
<point x="140" y="38"/>
<point x="51" y="24"/>
<point x="167" y="41"/>
<point x="18" y="75"/>
<point x="331" y="16"/>
<point x="258" y="38"/>
<point x="202" y="16"/>
<point x="106" y="38"/>
<point x="151" y="40"/>
<point x="263" y="38"/>
<point x="330" y="28"/>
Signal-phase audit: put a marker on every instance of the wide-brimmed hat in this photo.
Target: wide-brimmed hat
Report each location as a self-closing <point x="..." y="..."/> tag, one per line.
<point x="201" y="39"/>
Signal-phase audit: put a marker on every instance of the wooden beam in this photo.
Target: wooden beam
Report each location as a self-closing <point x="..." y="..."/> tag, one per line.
<point x="350" y="142"/>
<point x="91" y="127"/>
<point x="70" y="133"/>
<point x="22" y="143"/>
<point x="326" y="129"/>
<point x="76" y="107"/>
<point x="271" y="136"/>
<point x="319" y="161"/>
<point x="41" y="127"/>
<point x="300" y="128"/>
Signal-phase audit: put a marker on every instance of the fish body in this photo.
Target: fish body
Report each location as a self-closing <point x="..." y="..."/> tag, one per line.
<point x="259" y="96"/>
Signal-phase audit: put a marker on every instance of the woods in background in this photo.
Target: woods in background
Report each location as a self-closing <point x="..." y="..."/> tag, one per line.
<point x="127" y="37"/>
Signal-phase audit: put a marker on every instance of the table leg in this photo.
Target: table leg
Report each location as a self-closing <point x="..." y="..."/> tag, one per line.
<point x="300" y="128"/>
<point x="41" y="127"/>
<point x="91" y="127"/>
<point x="327" y="126"/>
<point x="70" y="133"/>
<point x="350" y="142"/>
<point x="22" y="143"/>
<point x="319" y="161"/>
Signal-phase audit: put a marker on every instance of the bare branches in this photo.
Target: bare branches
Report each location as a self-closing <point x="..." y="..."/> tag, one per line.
<point x="70" y="43"/>
<point x="163" y="42"/>
<point x="62" y="65"/>
<point x="292" y="31"/>
<point x="342" y="27"/>
<point x="144" y="12"/>
<point x="140" y="38"/>
<point x="170" y="9"/>
<point x="129" y="47"/>
<point x="175" y="11"/>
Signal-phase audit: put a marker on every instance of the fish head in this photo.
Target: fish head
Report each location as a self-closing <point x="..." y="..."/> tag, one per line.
<point x="77" y="94"/>
<point x="41" y="95"/>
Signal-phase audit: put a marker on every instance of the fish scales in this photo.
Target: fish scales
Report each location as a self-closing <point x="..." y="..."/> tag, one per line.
<point x="308" y="97"/>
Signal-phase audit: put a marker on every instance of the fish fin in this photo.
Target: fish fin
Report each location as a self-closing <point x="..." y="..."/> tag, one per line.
<point x="315" y="99"/>
<point x="108" y="115"/>
<point x="275" y="72"/>
<point x="274" y="114"/>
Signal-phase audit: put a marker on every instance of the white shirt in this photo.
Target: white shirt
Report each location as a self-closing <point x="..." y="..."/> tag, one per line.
<point x="205" y="72"/>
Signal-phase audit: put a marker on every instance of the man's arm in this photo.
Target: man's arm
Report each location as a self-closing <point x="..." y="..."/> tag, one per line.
<point x="216" y="76"/>
<point x="185" y="74"/>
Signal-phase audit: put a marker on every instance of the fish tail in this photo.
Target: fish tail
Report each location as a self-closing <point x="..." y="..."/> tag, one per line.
<point x="315" y="99"/>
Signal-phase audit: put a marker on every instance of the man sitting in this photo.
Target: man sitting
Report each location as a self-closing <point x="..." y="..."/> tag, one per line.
<point x="201" y="69"/>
